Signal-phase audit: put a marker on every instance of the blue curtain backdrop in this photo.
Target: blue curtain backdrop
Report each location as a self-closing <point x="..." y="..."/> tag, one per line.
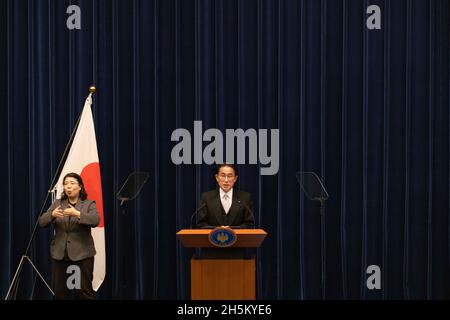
<point x="368" y="110"/>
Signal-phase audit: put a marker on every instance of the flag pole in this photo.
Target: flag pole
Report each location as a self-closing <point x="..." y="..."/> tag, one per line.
<point x="92" y="90"/>
<point x="12" y="291"/>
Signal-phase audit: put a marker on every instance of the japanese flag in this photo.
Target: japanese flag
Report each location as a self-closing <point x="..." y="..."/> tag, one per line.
<point x="83" y="159"/>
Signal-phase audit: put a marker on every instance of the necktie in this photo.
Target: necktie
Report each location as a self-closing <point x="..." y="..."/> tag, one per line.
<point x="226" y="203"/>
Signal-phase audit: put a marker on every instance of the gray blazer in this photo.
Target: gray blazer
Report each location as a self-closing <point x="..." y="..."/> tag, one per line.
<point x="74" y="233"/>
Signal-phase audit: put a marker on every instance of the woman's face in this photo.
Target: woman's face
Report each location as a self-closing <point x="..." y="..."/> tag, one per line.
<point x="71" y="187"/>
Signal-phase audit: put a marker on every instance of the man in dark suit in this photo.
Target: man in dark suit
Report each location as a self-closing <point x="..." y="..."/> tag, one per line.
<point x="226" y="206"/>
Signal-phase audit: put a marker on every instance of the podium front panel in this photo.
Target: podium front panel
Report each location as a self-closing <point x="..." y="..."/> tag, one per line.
<point x="223" y="279"/>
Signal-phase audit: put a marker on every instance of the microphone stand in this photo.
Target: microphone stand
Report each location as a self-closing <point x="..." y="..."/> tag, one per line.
<point x="14" y="286"/>
<point x="195" y="214"/>
<point x="248" y="208"/>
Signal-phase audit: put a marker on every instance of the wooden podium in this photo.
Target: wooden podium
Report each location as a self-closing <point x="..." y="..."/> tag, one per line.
<point x="222" y="273"/>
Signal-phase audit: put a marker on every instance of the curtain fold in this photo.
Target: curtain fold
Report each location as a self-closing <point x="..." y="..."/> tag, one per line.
<point x="367" y="110"/>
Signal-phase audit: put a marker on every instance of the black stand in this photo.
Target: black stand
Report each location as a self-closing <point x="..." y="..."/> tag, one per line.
<point x="132" y="186"/>
<point x="129" y="191"/>
<point x="13" y="287"/>
<point x="322" y="246"/>
<point x="12" y="291"/>
<point x="314" y="190"/>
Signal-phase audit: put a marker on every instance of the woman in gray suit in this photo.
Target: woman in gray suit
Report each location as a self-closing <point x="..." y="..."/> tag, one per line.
<point x="72" y="247"/>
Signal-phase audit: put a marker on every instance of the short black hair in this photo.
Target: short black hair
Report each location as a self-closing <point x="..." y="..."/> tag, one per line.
<point x="83" y="194"/>
<point x="220" y="165"/>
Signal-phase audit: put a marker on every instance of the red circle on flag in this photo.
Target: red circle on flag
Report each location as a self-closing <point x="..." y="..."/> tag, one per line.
<point x="93" y="186"/>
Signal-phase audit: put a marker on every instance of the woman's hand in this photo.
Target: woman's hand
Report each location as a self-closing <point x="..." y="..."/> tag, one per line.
<point x="57" y="213"/>
<point x="71" y="211"/>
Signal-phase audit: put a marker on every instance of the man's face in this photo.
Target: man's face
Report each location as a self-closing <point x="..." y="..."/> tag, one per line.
<point x="226" y="178"/>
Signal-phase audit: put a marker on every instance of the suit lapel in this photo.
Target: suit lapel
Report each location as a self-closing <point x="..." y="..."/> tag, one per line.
<point x="70" y="221"/>
<point x="73" y="220"/>
<point x="234" y="208"/>
<point x="218" y="207"/>
<point x="64" y="205"/>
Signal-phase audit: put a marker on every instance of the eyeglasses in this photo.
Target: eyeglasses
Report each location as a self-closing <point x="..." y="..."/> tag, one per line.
<point x="224" y="176"/>
<point x="70" y="182"/>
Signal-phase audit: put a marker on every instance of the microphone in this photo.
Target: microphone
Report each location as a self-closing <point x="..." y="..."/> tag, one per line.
<point x="196" y="211"/>
<point x="247" y="207"/>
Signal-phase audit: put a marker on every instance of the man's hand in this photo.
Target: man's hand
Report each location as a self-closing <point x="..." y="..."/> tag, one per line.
<point x="57" y="213"/>
<point x="71" y="211"/>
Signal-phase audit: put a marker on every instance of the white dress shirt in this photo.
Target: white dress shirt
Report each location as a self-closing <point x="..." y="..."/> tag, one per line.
<point x="226" y="198"/>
